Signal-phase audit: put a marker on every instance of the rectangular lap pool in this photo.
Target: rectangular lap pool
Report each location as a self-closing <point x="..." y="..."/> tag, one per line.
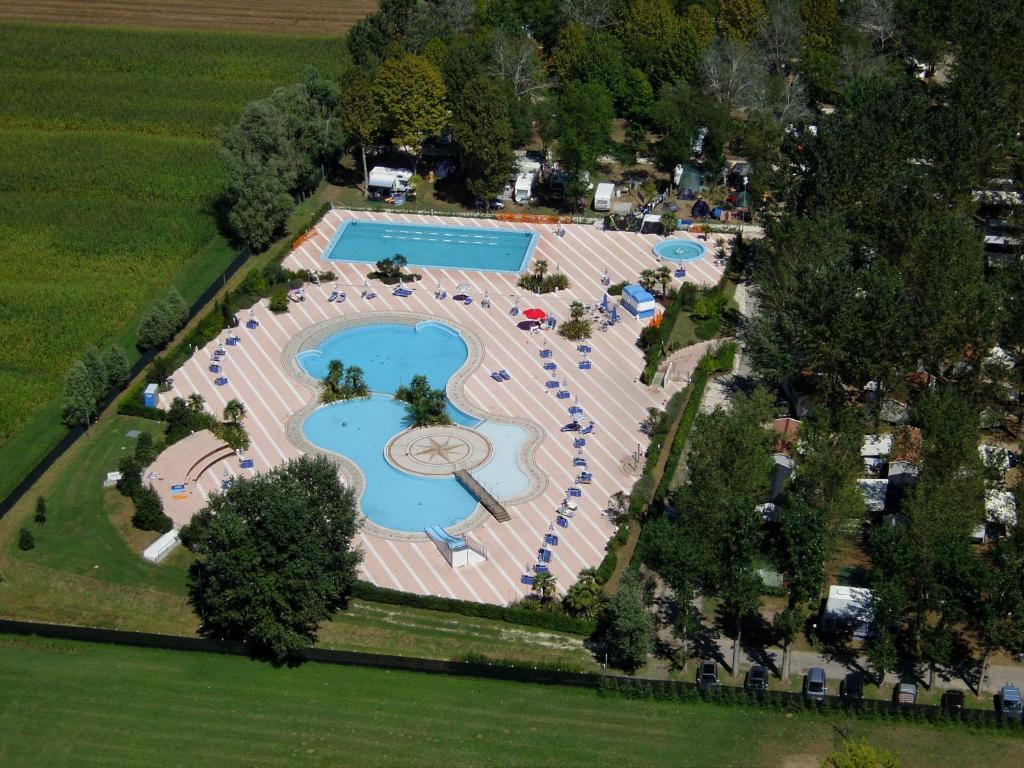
<point x="473" y="248"/>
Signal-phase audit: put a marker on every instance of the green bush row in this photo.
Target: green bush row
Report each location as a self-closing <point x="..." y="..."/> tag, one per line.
<point x="611" y="558"/>
<point x="557" y="622"/>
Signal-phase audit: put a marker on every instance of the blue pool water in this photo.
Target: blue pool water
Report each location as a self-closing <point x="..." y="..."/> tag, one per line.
<point x="359" y="430"/>
<point x="473" y="248"/>
<point x="679" y="250"/>
<point x="390" y="355"/>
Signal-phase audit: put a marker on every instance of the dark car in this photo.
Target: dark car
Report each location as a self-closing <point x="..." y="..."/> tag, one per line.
<point x="707" y="676"/>
<point x="756" y="681"/>
<point x="1010" y="702"/>
<point x="852" y="687"/>
<point x="814" y="685"/>
<point x="952" y="702"/>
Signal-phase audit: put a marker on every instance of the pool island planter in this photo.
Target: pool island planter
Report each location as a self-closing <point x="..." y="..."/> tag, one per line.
<point x="310" y="338"/>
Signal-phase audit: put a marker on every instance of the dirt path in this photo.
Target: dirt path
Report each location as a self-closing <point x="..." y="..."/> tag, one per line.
<point x="286" y="17"/>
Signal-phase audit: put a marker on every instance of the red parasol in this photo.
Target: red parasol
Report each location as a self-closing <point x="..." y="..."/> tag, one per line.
<point x="535" y="314"/>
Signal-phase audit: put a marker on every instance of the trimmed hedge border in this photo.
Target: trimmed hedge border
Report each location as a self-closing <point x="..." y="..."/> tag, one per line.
<point x="557" y="622"/>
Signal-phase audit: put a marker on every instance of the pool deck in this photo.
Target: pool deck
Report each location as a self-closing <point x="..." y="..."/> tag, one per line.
<point x="609" y="393"/>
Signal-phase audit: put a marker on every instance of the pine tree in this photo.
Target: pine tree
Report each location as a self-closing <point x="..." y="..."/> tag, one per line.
<point x="79" y="401"/>
<point x="40" y="510"/>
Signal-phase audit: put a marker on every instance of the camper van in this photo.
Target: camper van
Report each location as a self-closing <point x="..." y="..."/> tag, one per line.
<point x="384" y="182"/>
<point x="603" y="196"/>
<point x="524" y="188"/>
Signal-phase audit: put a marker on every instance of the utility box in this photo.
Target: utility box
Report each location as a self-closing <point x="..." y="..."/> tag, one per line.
<point x="150" y="395"/>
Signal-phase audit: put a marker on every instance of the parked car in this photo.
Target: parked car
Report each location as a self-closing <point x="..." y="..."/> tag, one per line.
<point x="1010" y="703"/>
<point x="707" y="676"/>
<point x="852" y="687"/>
<point x="905" y="694"/>
<point x="952" y="702"/>
<point x="815" y="687"/>
<point x="756" y="681"/>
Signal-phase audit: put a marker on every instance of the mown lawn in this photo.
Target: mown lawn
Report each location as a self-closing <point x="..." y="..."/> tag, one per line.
<point x="109" y="171"/>
<point x="69" y="703"/>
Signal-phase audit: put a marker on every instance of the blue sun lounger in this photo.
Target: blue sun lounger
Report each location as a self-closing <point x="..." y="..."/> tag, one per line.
<point x="550" y="366"/>
<point x="496" y="376"/>
<point x="550" y="539"/>
<point x="252" y="325"/>
<point x="562" y="522"/>
<point x="563" y="394"/>
<point x="369" y="295"/>
<point x="233" y="341"/>
<point x="504" y="374"/>
<point x="527" y="579"/>
<point x="246" y="464"/>
<point x="220" y="381"/>
<point x="587" y="429"/>
<point x="333" y="296"/>
<point x="401" y="292"/>
<point x="579" y="442"/>
<point x="544" y="555"/>
<point x="468" y="300"/>
<point x="214" y="368"/>
<point x="575" y="493"/>
<point x="585" y="365"/>
<point x="541" y="568"/>
<point x="584" y="478"/>
<point x="545" y="353"/>
<point x="680" y="272"/>
<point x="572" y="426"/>
<point x="551" y="384"/>
<point x="579" y="461"/>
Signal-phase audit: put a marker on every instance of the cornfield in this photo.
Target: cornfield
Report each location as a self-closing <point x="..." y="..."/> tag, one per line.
<point x="108" y="174"/>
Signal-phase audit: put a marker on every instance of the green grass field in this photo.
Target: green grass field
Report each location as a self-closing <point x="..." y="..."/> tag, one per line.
<point x="69" y="703"/>
<point x="108" y="171"/>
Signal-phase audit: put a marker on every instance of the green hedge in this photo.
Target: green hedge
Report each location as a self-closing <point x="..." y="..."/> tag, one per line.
<point x="128" y="408"/>
<point x="557" y="622"/>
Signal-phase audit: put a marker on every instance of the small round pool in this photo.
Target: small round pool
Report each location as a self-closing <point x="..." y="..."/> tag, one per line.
<point x="677" y="249"/>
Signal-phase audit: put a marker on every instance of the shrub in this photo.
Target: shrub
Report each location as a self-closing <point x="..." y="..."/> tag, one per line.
<point x="118" y="370"/>
<point x="26" y="541"/>
<point x="131" y="476"/>
<point x="615" y="289"/>
<point x="707" y="329"/>
<point x="606" y="568"/>
<point x="162" y="321"/>
<point x="149" y="511"/>
<point x="575" y="330"/>
<point x="145" y="449"/>
<point x="544" y="284"/>
<point x="279" y="301"/>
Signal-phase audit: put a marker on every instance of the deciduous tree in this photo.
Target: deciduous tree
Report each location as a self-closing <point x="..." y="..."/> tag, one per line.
<point x="629" y="639"/>
<point x="274" y="556"/>
<point x="411" y="95"/>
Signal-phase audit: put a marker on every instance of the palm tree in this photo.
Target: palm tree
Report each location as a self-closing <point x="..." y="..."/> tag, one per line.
<point x="234" y="411"/>
<point x="355" y="385"/>
<point x="195" y="402"/>
<point x="576" y="311"/>
<point x="647" y="280"/>
<point x="544" y="584"/>
<point x="584" y="596"/>
<point x="664" y="277"/>
<point x="540" y="268"/>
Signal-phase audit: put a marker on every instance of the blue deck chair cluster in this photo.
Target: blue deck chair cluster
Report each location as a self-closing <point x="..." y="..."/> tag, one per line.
<point x="501" y="375"/>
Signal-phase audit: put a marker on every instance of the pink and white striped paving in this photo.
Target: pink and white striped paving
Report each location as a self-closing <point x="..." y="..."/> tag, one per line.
<point x="609" y="393"/>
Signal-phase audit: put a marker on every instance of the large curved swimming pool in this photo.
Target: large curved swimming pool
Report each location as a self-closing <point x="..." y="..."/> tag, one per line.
<point x="390" y="355"/>
<point x="677" y="249"/>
